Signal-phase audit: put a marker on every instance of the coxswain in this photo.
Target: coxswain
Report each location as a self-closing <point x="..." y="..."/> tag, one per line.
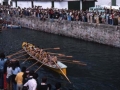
<point x="31" y="48"/>
<point x="49" y="59"/>
<point x="24" y="44"/>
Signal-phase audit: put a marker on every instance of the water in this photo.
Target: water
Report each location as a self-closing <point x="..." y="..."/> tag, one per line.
<point x="103" y="65"/>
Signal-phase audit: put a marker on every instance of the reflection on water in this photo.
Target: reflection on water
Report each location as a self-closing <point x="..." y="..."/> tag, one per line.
<point x="101" y="72"/>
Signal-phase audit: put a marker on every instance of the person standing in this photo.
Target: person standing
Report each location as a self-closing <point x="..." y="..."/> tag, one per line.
<point x="15" y="71"/>
<point x="8" y="76"/>
<point x="31" y="83"/>
<point x="2" y="62"/>
<point x="19" y="78"/>
<point x="43" y="85"/>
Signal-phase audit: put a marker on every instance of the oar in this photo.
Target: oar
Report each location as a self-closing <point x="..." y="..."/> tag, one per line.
<point x="40" y="67"/>
<point x="62" y="72"/>
<point x="75" y="63"/>
<point x="25" y="60"/>
<point x="65" y="56"/>
<point x="20" y="56"/>
<point x="15" y="53"/>
<point x="32" y="64"/>
<point x="56" y="53"/>
<point x="52" y="48"/>
<point x="69" y="60"/>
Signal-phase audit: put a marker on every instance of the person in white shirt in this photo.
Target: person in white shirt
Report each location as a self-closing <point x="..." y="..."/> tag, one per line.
<point x="9" y="74"/>
<point x="31" y="83"/>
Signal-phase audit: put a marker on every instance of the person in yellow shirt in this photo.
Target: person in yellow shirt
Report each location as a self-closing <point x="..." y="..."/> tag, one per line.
<point x="19" y="79"/>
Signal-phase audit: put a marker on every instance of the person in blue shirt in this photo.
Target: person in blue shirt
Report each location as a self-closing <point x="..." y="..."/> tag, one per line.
<point x="68" y="17"/>
<point x="2" y="62"/>
<point x="15" y="70"/>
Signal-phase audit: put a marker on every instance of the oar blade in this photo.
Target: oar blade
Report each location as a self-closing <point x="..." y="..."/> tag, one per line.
<point x="61" y="55"/>
<point x="69" y="56"/>
<point x="56" y="48"/>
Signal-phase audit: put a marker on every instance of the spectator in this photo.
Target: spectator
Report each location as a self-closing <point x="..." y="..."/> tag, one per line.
<point x="35" y="76"/>
<point x="15" y="71"/>
<point x="9" y="74"/>
<point x="19" y="78"/>
<point x="43" y="85"/>
<point x="31" y="83"/>
<point x="2" y="62"/>
<point x="25" y="77"/>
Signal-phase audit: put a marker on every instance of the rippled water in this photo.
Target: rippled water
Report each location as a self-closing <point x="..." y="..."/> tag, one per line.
<point x="103" y="62"/>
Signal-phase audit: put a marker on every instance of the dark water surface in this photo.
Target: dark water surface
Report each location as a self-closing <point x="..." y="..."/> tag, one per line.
<point x="103" y="62"/>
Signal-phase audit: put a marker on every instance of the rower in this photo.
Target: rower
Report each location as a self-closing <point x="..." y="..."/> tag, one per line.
<point x="40" y="57"/>
<point x="32" y="51"/>
<point x="41" y="51"/>
<point x="53" y="60"/>
<point x="27" y="47"/>
<point x="45" y="54"/>
<point x="36" y="49"/>
<point x="37" y="54"/>
<point x="45" y="60"/>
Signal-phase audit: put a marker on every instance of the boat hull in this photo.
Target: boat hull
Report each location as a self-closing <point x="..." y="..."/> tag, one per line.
<point x="61" y="68"/>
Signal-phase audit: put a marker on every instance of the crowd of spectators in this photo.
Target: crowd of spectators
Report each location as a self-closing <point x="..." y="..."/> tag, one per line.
<point x="19" y="78"/>
<point x="108" y="17"/>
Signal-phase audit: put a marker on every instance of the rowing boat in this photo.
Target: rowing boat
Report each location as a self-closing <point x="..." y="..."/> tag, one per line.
<point x="14" y="26"/>
<point x="54" y="67"/>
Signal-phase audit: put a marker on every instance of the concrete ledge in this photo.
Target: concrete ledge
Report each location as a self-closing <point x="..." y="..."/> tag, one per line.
<point x="100" y="33"/>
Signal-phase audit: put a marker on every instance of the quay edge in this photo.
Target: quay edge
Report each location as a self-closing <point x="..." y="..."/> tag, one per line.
<point x="100" y="33"/>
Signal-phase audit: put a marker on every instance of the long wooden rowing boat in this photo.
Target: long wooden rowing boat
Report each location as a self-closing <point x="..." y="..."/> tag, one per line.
<point x="14" y="26"/>
<point x="54" y="67"/>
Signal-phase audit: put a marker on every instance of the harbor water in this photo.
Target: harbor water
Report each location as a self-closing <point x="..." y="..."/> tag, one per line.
<point x="100" y="73"/>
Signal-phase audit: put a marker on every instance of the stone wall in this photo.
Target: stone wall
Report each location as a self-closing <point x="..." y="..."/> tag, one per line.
<point x="101" y="33"/>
